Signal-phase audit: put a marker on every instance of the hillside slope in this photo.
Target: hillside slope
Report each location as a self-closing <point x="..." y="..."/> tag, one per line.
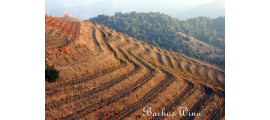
<point x="202" y="47"/>
<point x="162" y="30"/>
<point x="105" y="74"/>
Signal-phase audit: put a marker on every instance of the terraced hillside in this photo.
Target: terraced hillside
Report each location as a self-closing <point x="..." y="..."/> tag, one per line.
<point x="105" y="74"/>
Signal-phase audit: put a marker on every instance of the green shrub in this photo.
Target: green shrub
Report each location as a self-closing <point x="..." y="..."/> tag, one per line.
<point x="51" y="74"/>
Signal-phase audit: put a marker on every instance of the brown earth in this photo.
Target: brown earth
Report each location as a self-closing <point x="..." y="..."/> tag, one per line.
<point x="105" y="74"/>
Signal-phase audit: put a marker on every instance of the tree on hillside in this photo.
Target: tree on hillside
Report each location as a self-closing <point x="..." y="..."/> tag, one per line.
<point x="51" y="74"/>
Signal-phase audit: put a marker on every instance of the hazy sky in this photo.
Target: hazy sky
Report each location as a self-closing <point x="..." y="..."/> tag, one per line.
<point x="169" y="4"/>
<point x="87" y="7"/>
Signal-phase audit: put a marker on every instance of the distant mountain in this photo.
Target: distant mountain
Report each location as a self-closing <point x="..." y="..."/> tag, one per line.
<point x="213" y="10"/>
